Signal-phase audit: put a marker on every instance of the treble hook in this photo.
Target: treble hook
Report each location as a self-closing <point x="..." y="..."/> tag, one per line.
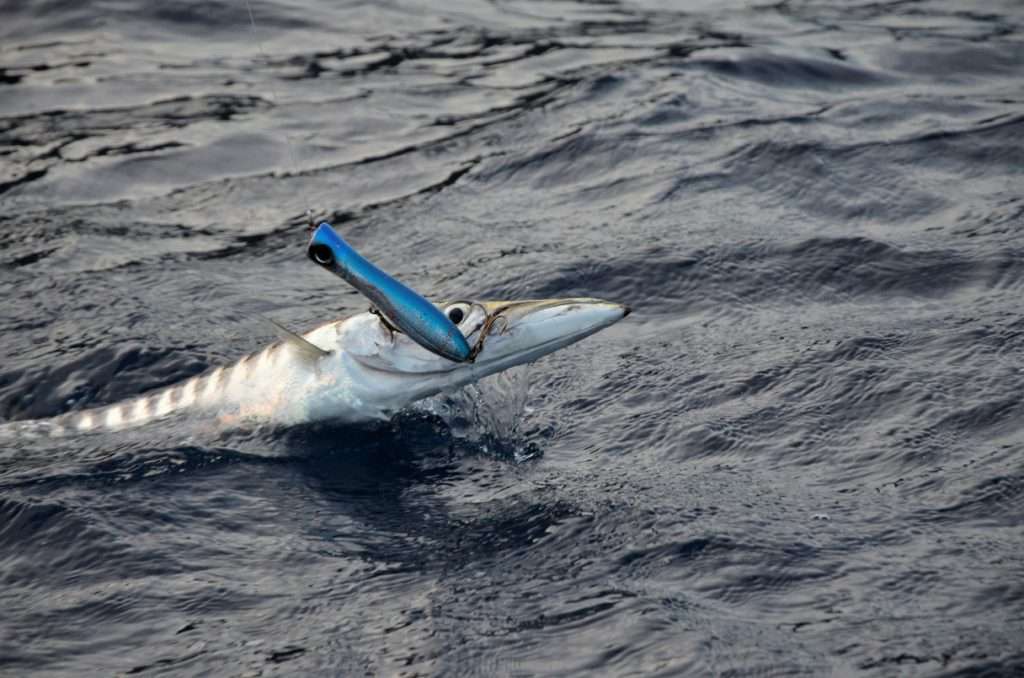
<point x="485" y="330"/>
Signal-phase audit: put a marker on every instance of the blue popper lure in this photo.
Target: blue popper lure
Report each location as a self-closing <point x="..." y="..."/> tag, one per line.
<point x="425" y="324"/>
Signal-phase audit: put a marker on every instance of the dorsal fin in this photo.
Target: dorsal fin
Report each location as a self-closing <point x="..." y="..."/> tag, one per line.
<point x="306" y="350"/>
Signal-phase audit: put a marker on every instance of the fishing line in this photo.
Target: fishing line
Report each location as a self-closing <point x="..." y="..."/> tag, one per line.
<point x="292" y="159"/>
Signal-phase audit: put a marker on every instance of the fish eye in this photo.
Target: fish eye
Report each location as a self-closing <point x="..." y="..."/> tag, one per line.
<point x="456" y="313"/>
<point x="321" y="254"/>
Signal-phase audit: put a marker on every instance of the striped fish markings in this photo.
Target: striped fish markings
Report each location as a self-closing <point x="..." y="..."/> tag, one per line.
<point x="354" y="370"/>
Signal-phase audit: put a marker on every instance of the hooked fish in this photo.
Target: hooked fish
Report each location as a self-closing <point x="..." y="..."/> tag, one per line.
<point x="355" y="370"/>
<point x="404" y="308"/>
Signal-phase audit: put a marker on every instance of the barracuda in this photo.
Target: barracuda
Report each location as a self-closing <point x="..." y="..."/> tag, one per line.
<point x="355" y="370"/>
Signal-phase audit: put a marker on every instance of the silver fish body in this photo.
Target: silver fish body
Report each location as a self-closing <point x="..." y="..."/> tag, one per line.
<point x="363" y="370"/>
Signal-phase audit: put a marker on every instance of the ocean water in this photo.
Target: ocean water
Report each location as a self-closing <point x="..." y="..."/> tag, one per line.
<point x="801" y="455"/>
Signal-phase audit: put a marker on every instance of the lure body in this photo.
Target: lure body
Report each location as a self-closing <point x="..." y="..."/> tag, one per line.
<point x="425" y="324"/>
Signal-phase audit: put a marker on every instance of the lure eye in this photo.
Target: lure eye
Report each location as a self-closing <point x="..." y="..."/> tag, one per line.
<point x="321" y="254"/>
<point x="457" y="313"/>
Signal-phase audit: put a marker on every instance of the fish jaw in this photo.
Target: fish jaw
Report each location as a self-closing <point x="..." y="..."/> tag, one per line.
<point x="514" y="333"/>
<point x="528" y="330"/>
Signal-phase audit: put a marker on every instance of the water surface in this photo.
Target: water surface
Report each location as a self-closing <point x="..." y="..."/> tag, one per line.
<point x="800" y="455"/>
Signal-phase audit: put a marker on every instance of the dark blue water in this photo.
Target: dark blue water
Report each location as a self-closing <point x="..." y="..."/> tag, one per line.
<point x="802" y="454"/>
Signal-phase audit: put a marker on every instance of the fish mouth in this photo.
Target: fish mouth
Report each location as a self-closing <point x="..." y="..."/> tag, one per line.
<point x="523" y="331"/>
<point x="506" y="334"/>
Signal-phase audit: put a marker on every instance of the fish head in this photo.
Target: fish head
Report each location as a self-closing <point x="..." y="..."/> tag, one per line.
<point x="391" y="370"/>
